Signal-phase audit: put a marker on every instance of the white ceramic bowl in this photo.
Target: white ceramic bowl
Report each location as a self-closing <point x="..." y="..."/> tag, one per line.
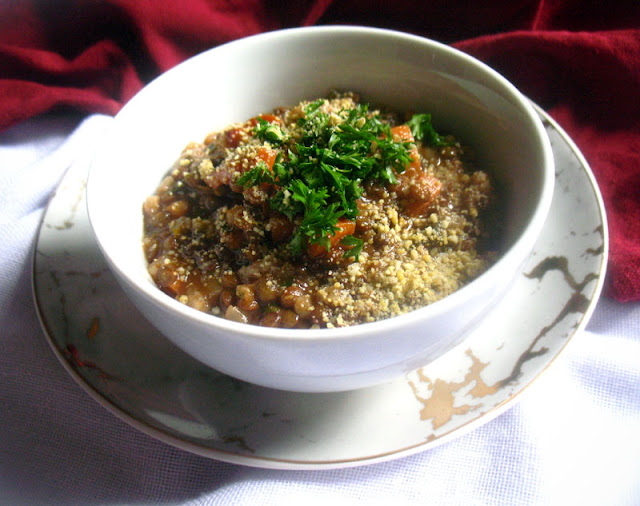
<point x="236" y="81"/>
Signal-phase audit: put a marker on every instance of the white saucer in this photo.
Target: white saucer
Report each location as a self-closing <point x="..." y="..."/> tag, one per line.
<point x="131" y="369"/>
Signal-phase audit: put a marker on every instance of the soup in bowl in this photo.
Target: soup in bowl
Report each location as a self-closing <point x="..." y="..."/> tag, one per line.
<point x="321" y="209"/>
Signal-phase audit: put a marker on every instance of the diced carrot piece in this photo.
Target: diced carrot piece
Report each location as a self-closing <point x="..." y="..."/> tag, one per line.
<point x="345" y="228"/>
<point x="422" y="188"/>
<point x="262" y="154"/>
<point x="423" y="192"/>
<point x="270" y="118"/>
<point x="402" y="133"/>
<point x="268" y="156"/>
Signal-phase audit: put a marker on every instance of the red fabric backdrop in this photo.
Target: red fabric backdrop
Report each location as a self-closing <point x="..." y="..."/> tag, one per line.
<point x="578" y="59"/>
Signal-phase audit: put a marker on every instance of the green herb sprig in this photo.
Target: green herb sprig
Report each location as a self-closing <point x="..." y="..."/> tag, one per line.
<point x="259" y="174"/>
<point x="422" y="130"/>
<point x="269" y="132"/>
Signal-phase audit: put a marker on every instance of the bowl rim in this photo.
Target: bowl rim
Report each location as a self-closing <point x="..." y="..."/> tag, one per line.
<point x="524" y="238"/>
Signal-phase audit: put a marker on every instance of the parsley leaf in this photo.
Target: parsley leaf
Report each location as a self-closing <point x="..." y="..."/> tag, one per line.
<point x="257" y="175"/>
<point x="269" y="132"/>
<point x="423" y="130"/>
<point x="356" y="244"/>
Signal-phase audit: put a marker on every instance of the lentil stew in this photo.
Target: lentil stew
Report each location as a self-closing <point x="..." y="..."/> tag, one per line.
<point x="328" y="213"/>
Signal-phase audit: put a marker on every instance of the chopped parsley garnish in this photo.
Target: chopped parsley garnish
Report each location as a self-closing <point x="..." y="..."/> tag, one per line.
<point x="356" y="246"/>
<point x="423" y="130"/>
<point x="257" y="175"/>
<point x="269" y="132"/>
<point x="320" y="178"/>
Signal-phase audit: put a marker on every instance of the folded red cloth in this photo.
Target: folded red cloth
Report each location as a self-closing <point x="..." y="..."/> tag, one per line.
<point x="590" y="83"/>
<point x="579" y="60"/>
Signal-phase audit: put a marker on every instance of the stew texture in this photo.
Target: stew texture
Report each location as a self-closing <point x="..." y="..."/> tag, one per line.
<point x="325" y="214"/>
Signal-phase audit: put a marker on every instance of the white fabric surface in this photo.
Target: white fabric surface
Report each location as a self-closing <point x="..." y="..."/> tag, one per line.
<point x="572" y="438"/>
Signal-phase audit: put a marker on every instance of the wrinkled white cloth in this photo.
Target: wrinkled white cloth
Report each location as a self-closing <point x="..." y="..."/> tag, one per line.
<point x="573" y="437"/>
